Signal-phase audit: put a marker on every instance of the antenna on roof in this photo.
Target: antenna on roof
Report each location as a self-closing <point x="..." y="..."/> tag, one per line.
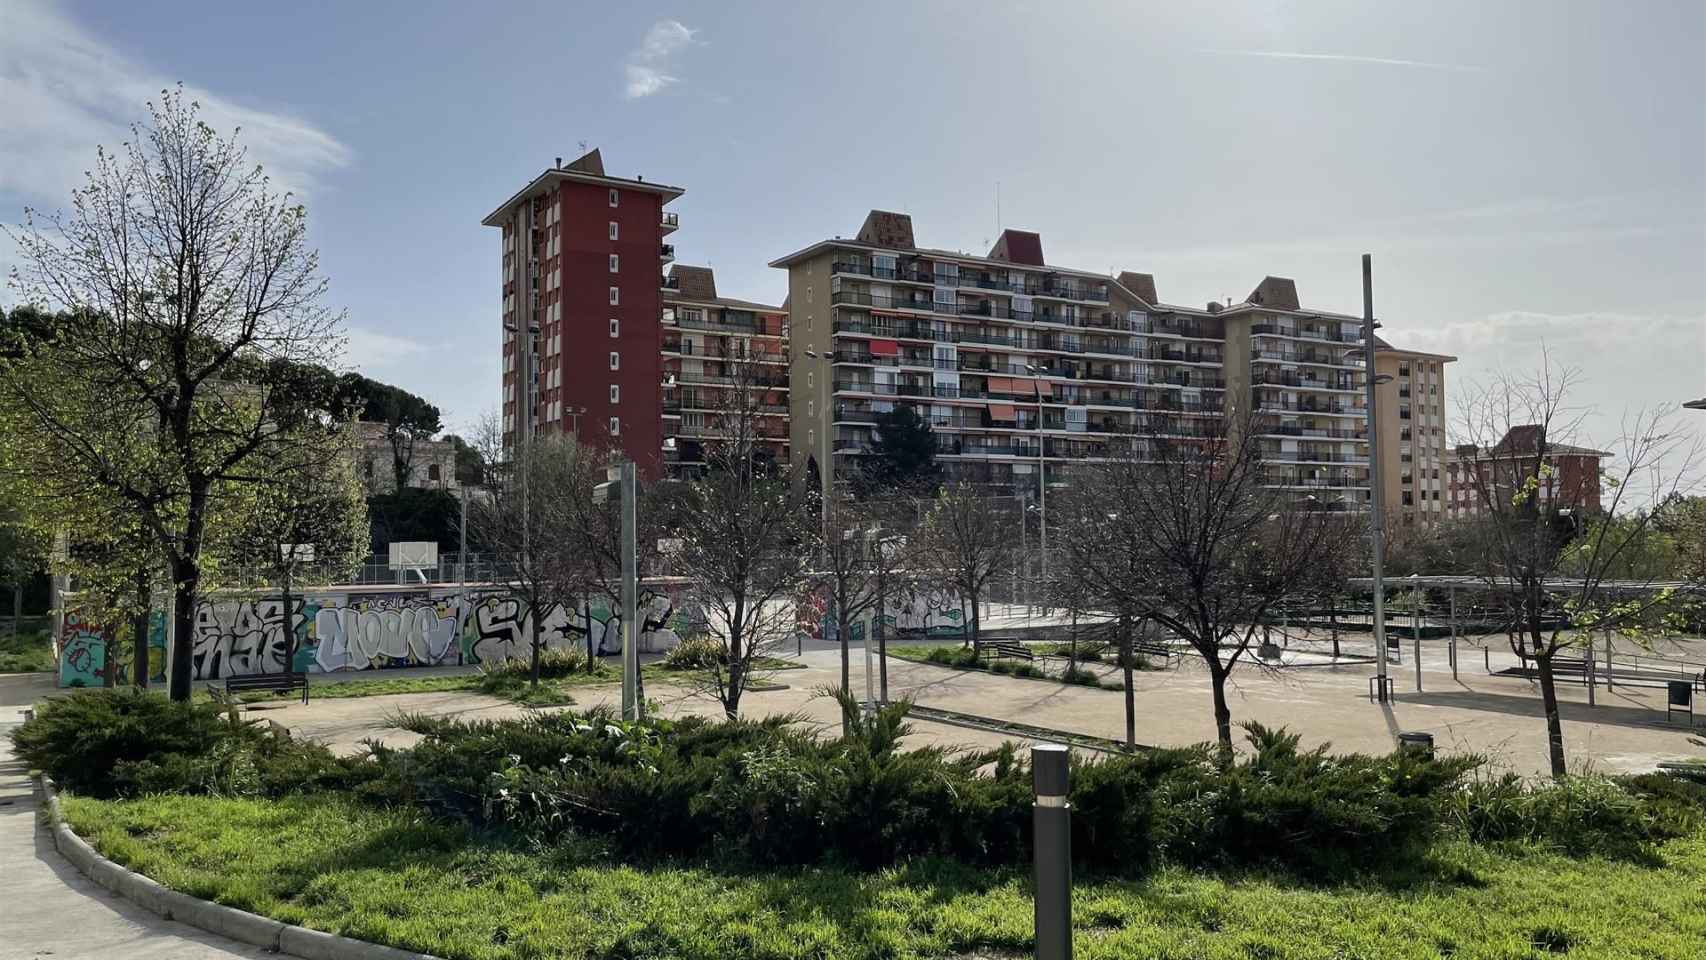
<point x="582" y="145"/>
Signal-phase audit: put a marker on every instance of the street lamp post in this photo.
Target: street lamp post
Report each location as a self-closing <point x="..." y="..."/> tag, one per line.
<point x="1377" y="505"/>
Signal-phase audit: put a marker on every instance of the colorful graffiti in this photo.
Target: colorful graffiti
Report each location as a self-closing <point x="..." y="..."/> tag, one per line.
<point x="84" y="648"/>
<point x="910" y="609"/>
<point x="368" y="630"/>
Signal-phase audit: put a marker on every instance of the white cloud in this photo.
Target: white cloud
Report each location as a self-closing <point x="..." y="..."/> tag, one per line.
<point x="371" y="351"/>
<point x="65" y="92"/>
<point x="1345" y="58"/>
<point x="647" y="65"/>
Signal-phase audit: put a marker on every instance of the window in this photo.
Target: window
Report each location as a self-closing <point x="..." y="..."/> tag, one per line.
<point x="613" y="230"/>
<point x="615" y="393"/>
<point x="613" y="196"/>
<point x="615" y="426"/>
<point x="615" y="295"/>
<point x="432" y="472"/>
<point x="615" y="328"/>
<point x="615" y="263"/>
<point x="615" y="360"/>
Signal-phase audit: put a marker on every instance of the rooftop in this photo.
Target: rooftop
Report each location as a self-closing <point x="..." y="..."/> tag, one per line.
<point x="588" y="168"/>
<point x="698" y="285"/>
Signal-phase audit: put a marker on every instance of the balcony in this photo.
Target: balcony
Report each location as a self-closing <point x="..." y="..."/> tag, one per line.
<point x="1303" y="333"/>
<point x="666" y="252"/>
<point x="1315" y="358"/>
<point x="669" y="283"/>
<point x="1276" y="378"/>
<point x="669" y="222"/>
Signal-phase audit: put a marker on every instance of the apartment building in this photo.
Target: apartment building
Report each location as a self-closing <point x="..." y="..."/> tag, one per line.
<point x="432" y="463"/>
<point x="582" y="256"/>
<point x="1410" y="414"/>
<point x="713" y="345"/>
<point x="1023" y="367"/>
<point x="1569" y="475"/>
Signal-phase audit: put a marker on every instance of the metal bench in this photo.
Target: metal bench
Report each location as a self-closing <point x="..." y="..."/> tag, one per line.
<point x="996" y="649"/>
<point x="268" y="682"/>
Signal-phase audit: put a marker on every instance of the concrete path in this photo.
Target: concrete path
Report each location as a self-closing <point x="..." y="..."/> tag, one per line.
<point x="48" y="909"/>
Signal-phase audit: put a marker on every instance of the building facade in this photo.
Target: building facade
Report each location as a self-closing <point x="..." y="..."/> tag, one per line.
<point x="1564" y="474"/>
<point x="716" y="349"/>
<point x="432" y="463"/>
<point x="582" y="256"/>
<point x="1023" y="367"/>
<point x="1410" y="413"/>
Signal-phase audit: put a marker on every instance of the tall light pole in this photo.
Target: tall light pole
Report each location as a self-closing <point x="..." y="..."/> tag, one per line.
<point x="1042" y="475"/>
<point x="1377" y="506"/>
<point x="825" y="468"/>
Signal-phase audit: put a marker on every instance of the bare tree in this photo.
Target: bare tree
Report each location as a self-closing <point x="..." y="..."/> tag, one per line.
<point x="745" y="539"/>
<point x="1190" y="535"/>
<point x="1547" y="553"/>
<point x="848" y="567"/>
<point x="190" y="304"/>
<point x="967" y="539"/>
<point x="524" y="520"/>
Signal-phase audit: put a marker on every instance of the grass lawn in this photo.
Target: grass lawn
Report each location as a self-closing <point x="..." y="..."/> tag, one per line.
<point x="957" y="657"/>
<point x="30" y="651"/>
<point x="391" y="876"/>
<point x="552" y="691"/>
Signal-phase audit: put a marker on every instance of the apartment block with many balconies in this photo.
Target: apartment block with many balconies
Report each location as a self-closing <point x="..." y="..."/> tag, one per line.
<point x="1023" y="367"/>
<point x="714" y="347"/>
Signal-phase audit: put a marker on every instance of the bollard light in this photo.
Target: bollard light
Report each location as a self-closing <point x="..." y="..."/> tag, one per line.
<point x="1052" y="841"/>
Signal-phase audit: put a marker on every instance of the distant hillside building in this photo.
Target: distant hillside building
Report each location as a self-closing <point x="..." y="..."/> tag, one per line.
<point x="432" y="466"/>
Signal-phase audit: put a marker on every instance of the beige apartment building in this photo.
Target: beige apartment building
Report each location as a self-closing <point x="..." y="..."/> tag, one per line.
<point x="1023" y="367"/>
<point x="1410" y="413"/>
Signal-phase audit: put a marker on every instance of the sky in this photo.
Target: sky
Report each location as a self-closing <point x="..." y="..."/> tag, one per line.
<point x="1530" y="178"/>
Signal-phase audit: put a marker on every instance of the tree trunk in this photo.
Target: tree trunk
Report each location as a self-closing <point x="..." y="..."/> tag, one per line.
<point x="139" y="666"/>
<point x="17" y="608"/>
<point x="1333" y="620"/>
<point x="289" y="630"/>
<point x="976" y="626"/>
<point x="1130" y="693"/>
<point x="533" y="639"/>
<point x="186" y="579"/>
<point x="1222" y="714"/>
<point x="842" y="639"/>
<point x="109" y="660"/>
<point x="1549" y="699"/>
<point x="591" y="655"/>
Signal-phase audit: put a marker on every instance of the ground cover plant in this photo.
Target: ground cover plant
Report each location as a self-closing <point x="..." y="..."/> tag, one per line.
<point x="518" y="838"/>
<point x="27" y="651"/>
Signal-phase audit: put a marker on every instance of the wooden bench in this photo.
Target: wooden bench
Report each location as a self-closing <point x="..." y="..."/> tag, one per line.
<point x="268" y="682"/>
<point x="996" y="649"/>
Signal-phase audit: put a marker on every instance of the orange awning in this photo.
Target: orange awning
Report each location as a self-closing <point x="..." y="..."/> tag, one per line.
<point x="1000" y="385"/>
<point x="1046" y="388"/>
<point x="884" y="348"/>
<point x="1003" y="411"/>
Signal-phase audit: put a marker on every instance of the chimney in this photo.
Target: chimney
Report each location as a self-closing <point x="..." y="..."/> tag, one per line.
<point x="559" y="163"/>
<point x="1214" y="306"/>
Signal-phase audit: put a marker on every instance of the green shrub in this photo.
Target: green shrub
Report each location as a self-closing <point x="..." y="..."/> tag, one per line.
<point x="958" y="657"/>
<point x="694" y="653"/>
<point x="28" y="651"/>
<point x="1577" y="815"/>
<point x="554" y="664"/>
<point x="1029" y="670"/>
<point x="109" y="743"/>
<point x="1081" y="676"/>
<point x="80" y="739"/>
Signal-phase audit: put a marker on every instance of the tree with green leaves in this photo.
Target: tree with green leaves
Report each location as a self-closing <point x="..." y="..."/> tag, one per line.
<point x="408" y="419"/>
<point x="903" y="452"/>
<point x="1558" y="574"/>
<point x="184" y="307"/>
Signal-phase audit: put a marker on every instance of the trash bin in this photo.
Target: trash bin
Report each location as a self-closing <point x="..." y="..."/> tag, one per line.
<point x="1422" y="743"/>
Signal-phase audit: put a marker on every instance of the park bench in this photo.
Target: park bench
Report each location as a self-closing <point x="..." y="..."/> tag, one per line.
<point x="996" y="649"/>
<point x="268" y="682"/>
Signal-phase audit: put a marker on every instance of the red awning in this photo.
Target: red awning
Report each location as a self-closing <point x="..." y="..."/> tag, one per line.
<point x="884" y="348"/>
<point x="1044" y="387"/>
<point x="1003" y="411"/>
<point x="1000" y="385"/>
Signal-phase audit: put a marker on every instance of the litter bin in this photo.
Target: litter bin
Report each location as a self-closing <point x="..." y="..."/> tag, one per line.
<point x="1422" y="743"/>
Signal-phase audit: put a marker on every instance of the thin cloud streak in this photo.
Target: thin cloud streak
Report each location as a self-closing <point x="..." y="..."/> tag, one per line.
<point x="67" y="92"/>
<point x="1344" y="58"/>
<point x="646" y="66"/>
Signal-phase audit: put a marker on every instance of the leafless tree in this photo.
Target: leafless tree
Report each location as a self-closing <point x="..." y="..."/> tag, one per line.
<point x="191" y="304"/>
<point x="1189" y="535"/>
<point x="523" y="519"/>
<point x="849" y="567"/>
<point x="1548" y="553"/>
<point x="745" y="538"/>
<point x="967" y="539"/>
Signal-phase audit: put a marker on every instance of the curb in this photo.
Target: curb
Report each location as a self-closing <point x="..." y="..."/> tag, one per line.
<point x="230" y="922"/>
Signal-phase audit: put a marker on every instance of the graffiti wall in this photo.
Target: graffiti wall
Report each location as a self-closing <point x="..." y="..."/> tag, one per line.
<point x="369" y="629"/>
<point x="912" y="610"/>
<point x="85" y="646"/>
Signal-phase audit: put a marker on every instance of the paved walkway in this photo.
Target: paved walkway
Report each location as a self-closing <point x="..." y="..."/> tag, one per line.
<point x="48" y="909"/>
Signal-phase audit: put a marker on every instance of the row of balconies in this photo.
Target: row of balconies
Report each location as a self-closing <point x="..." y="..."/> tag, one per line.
<point x="1055" y="287"/>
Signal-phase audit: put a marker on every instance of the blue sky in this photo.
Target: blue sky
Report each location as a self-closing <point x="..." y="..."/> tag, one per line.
<point x="1525" y="174"/>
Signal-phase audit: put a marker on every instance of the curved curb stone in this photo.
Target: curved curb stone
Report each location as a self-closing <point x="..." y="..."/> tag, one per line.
<point x="239" y="925"/>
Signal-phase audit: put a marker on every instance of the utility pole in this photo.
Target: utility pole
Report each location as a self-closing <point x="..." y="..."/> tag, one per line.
<point x="1377" y="525"/>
